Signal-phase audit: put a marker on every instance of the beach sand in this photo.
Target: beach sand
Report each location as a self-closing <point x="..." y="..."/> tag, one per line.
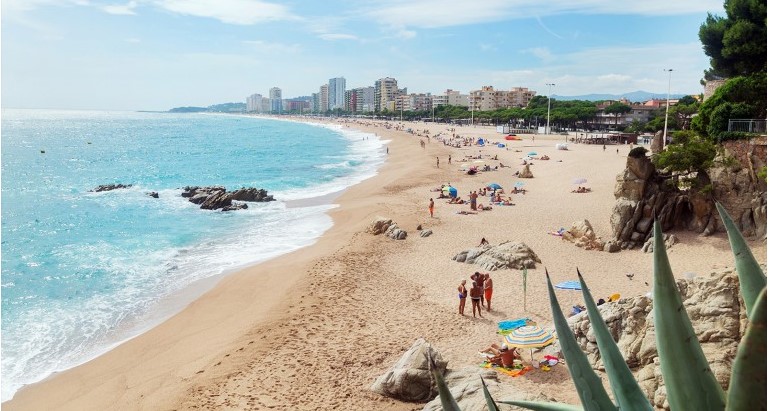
<point x="313" y="329"/>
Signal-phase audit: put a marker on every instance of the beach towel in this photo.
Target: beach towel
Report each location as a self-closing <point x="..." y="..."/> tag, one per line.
<point x="509" y="325"/>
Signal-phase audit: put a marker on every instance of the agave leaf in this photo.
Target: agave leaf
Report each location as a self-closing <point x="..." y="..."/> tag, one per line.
<point x="689" y="382"/>
<point x="589" y="387"/>
<point x="447" y="401"/>
<point x="489" y="401"/>
<point x="626" y="390"/>
<point x="752" y="278"/>
<point x="543" y="406"/>
<point x="747" y="388"/>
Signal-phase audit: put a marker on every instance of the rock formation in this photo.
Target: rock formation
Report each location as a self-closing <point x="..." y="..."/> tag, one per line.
<point x="582" y="235"/>
<point x="410" y="378"/>
<point x="109" y="187"/>
<point x="505" y="255"/>
<point x="642" y="193"/>
<point x="669" y="240"/>
<point x="388" y="227"/>
<point x="714" y="306"/>
<point x="153" y="194"/>
<point x="217" y="197"/>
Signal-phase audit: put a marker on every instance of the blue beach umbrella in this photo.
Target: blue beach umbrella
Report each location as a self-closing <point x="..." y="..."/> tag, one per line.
<point x="569" y="285"/>
<point x="451" y="191"/>
<point x="532" y="153"/>
<point x="500" y="145"/>
<point x="519" y="184"/>
<point x="494" y="186"/>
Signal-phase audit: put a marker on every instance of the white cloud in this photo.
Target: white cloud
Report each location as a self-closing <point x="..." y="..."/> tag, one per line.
<point x="242" y="12"/>
<point x="121" y="9"/>
<point x="337" y="36"/>
<point x="446" y="13"/>
<point x="543" y="53"/>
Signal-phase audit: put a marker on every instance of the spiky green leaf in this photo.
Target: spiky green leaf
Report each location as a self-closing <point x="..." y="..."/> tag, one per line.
<point x="542" y="406"/>
<point x="747" y="388"/>
<point x="689" y="382"/>
<point x="752" y="278"/>
<point x="489" y="401"/>
<point x="447" y="400"/>
<point x="626" y="390"/>
<point x="589" y="387"/>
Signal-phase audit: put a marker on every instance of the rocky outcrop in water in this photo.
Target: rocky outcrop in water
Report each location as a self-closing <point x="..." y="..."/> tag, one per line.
<point x="109" y="187"/>
<point x="505" y="255"/>
<point x="217" y="197"/>
<point x="717" y="315"/>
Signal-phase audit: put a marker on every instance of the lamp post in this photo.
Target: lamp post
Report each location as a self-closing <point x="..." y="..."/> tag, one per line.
<point x="667" y="109"/>
<point x="547" y="128"/>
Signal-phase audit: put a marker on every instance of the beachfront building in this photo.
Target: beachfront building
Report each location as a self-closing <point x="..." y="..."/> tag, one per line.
<point x="315" y="102"/>
<point x="418" y="102"/>
<point x="361" y="100"/>
<point x="254" y="104"/>
<point x="276" y="100"/>
<point x="638" y="112"/>
<point x="385" y="94"/>
<point x="488" y="99"/>
<point x="336" y="88"/>
<point x="299" y="105"/>
<point x="323" y="104"/>
<point x="451" y="98"/>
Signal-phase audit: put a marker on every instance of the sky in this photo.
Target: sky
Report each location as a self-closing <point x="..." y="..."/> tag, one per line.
<point x="159" y="54"/>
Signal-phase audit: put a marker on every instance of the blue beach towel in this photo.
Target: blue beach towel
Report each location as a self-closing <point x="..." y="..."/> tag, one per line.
<point x="512" y="324"/>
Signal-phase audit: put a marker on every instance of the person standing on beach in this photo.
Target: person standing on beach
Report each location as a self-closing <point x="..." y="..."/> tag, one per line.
<point x="449" y="158"/>
<point x="476" y="293"/>
<point x="474" y="200"/>
<point x="488" y="289"/>
<point x="438" y="161"/>
<point x="462" y="290"/>
<point x="431" y="207"/>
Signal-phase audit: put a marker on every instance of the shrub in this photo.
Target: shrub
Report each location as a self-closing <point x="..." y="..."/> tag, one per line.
<point x="638" y="152"/>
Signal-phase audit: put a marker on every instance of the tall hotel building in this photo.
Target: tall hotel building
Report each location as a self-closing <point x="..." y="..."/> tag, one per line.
<point x="336" y="88"/>
<point x="254" y="103"/>
<point x="276" y="100"/>
<point x="324" y="100"/>
<point x="385" y="94"/>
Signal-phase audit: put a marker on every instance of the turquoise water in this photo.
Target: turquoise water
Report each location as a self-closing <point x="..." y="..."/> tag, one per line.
<point x="82" y="271"/>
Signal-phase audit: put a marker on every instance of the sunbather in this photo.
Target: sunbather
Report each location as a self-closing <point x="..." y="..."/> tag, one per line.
<point x="502" y="355"/>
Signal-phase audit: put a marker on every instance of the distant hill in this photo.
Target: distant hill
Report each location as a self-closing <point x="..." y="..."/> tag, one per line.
<point x="634" y="96"/>
<point x="216" y="108"/>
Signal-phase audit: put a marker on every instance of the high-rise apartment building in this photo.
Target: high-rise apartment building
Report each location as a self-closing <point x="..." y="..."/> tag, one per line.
<point x="276" y="100"/>
<point x="254" y="103"/>
<point x="385" y="94"/>
<point x="364" y="99"/>
<point x="336" y="88"/>
<point x="324" y="106"/>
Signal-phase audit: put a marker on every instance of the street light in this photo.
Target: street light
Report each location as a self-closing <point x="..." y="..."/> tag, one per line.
<point x="667" y="108"/>
<point x="549" y="85"/>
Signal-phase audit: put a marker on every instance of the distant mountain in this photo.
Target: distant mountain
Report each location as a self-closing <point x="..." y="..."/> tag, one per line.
<point x="635" y="96"/>
<point x="216" y="108"/>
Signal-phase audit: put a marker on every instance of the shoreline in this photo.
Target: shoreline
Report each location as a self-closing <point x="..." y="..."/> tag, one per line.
<point x="325" y="320"/>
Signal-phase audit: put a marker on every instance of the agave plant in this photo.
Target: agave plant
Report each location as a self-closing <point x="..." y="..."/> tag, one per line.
<point x="689" y="382"/>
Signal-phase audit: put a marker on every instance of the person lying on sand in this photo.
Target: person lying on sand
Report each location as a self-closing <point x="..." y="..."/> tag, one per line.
<point x="456" y="200"/>
<point x="581" y="190"/>
<point x="502" y="355"/>
<point x="466" y="212"/>
<point x="482" y="207"/>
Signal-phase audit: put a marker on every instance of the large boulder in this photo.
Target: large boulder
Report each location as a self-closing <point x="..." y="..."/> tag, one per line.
<point x="379" y="225"/>
<point x="465" y="386"/>
<point x="526" y="172"/>
<point x="582" y="235"/>
<point x="217" y="197"/>
<point x="506" y="255"/>
<point x="410" y="378"/>
<point x="714" y="307"/>
<point x="251" y="194"/>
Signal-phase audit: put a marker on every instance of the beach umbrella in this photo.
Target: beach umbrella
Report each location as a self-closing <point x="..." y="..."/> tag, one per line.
<point x="451" y="191"/>
<point x="529" y="336"/>
<point x="579" y="180"/>
<point x="532" y="153"/>
<point x="500" y="145"/>
<point x="494" y="186"/>
<point x="569" y="285"/>
<point x="519" y="184"/>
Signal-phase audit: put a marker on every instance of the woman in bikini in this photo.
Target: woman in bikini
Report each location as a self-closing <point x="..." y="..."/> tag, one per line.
<point x="462" y="296"/>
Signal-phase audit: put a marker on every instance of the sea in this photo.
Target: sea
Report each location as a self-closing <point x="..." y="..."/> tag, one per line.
<point x="83" y="271"/>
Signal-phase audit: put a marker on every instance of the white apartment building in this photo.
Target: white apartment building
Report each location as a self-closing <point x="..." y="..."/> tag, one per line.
<point x="254" y="103"/>
<point x="385" y="94"/>
<point x="451" y="98"/>
<point x="361" y="99"/>
<point x="336" y="88"/>
<point x="324" y="106"/>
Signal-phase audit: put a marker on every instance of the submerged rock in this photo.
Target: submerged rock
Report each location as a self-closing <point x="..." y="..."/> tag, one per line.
<point x="109" y="187"/>
<point x="217" y="197"/>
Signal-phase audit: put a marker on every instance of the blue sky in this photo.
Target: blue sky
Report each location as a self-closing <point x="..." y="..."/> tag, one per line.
<point x="159" y="54"/>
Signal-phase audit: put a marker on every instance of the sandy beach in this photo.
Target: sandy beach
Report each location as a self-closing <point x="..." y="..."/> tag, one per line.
<point x="314" y="328"/>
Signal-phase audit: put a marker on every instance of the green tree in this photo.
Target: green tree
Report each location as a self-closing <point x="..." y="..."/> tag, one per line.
<point x="687" y="153"/>
<point x="736" y="44"/>
<point x="617" y="109"/>
<point x="739" y="97"/>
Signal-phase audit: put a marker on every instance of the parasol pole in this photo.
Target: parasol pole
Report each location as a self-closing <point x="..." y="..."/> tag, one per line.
<point x="524" y="288"/>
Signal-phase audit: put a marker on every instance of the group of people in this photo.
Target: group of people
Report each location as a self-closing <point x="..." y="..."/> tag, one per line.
<point x="480" y="293"/>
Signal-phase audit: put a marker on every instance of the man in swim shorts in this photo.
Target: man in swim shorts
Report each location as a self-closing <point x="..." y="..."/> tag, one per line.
<point x="476" y="294"/>
<point x="488" y="289"/>
<point x="462" y="290"/>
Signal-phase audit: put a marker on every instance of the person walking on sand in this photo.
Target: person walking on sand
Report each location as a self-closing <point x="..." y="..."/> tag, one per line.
<point x="462" y="290"/>
<point x="438" y="162"/>
<point x="488" y="289"/>
<point x="476" y="293"/>
<point x="449" y="158"/>
<point x="431" y="207"/>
